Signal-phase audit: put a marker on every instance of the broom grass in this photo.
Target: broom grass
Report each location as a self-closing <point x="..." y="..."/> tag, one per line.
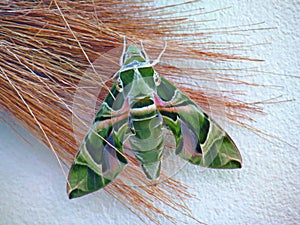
<point x="55" y="56"/>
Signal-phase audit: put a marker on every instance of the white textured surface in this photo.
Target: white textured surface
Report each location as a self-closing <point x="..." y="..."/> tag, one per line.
<point x="265" y="191"/>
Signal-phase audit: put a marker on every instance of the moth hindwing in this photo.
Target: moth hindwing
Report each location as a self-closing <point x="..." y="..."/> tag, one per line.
<point x="140" y="104"/>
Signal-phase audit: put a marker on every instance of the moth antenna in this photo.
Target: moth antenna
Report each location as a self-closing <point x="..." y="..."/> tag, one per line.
<point x="115" y="75"/>
<point x="144" y="52"/>
<point x="160" y="55"/>
<point x="123" y="52"/>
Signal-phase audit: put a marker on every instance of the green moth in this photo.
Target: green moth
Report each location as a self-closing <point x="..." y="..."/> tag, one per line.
<point x="141" y="103"/>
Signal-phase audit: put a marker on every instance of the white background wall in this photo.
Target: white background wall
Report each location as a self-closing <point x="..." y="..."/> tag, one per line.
<point x="265" y="191"/>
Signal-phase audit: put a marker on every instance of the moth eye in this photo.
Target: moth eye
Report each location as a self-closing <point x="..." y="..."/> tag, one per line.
<point x="119" y="85"/>
<point x="156" y="78"/>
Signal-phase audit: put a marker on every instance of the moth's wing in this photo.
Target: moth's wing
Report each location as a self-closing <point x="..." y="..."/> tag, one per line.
<point x="198" y="138"/>
<point x="100" y="158"/>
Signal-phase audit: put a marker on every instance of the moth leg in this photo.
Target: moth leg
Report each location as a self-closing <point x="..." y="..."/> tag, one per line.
<point x="130" y="125"/>
<point x="160" y="118"/>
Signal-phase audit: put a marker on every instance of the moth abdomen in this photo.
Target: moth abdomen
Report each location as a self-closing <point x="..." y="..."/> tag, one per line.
<point x="148" y="144"/>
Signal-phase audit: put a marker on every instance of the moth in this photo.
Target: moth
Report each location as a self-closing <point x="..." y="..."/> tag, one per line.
<point x="139" y="106"/>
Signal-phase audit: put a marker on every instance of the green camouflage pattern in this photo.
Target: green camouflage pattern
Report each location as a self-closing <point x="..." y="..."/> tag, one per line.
<point x="141" y="103"/>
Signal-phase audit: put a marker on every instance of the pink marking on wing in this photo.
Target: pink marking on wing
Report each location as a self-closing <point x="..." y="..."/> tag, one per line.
<point x="158" y="102"/>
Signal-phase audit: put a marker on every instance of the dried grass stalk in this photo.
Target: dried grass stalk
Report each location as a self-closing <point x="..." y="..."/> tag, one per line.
<point x="46" y="53"/>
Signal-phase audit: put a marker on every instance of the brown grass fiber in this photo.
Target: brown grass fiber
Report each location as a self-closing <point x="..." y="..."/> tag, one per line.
<point x="51" y="51"/>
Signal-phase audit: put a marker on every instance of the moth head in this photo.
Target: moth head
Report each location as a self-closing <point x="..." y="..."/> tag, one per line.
<point x="156" y="78"/>
<point x="119" y="85"/>
<point x="133" y="53"/>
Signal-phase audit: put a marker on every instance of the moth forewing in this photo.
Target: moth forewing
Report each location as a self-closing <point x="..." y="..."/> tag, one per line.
<point x="100" y="158"/>
<point x="199" y="139"/>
